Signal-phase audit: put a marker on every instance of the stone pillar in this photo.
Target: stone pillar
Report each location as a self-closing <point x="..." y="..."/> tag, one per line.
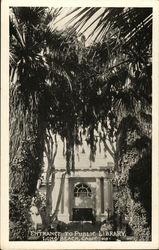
<point x="66" y="195"/>
<point x="108" y="195"/>
<point x="111" y="196"/>
<point x="55" y="192"/>
<point x="98" y="198"/>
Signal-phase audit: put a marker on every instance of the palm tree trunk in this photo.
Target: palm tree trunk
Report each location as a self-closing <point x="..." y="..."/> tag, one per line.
<point x="26" y="159"/>
<point x="50" y="152"/>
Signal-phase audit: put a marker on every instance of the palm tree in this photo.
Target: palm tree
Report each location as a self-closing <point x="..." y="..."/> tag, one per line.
<point x="124" y="53"/>
<point x="43" y="65"/>
<point x="28" y="114"/>
<point x="124" y="38"/>
<point x="64" y="69"/>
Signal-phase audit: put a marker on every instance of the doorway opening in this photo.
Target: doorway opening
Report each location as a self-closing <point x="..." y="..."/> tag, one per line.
<point x="82" y="214"/>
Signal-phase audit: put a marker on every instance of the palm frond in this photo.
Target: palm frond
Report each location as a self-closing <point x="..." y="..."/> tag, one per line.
<point x="131" y="22"/>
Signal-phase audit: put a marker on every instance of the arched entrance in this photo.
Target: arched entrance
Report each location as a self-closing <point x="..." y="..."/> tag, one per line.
<point x="83" y="203"/>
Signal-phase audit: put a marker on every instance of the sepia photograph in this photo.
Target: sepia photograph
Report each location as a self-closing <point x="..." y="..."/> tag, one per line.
<point x="80" y="124"/>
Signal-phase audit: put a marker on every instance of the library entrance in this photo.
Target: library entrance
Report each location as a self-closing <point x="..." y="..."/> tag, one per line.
<point x="87" y="195"/>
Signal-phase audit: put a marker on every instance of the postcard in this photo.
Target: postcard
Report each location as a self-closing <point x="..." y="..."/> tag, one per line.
<point x="80" y="125"/>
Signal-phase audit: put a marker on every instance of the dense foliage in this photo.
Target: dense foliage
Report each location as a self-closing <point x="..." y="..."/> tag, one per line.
<point x="102" y="92"/>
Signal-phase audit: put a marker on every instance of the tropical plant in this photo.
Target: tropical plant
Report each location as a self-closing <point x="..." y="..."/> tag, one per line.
<point x="129" y="23"/>
<point x="28" y="114"/>
<point x="50" y="151"/>
<point x="43" y="66"/>
<point x="124" y="57"/>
